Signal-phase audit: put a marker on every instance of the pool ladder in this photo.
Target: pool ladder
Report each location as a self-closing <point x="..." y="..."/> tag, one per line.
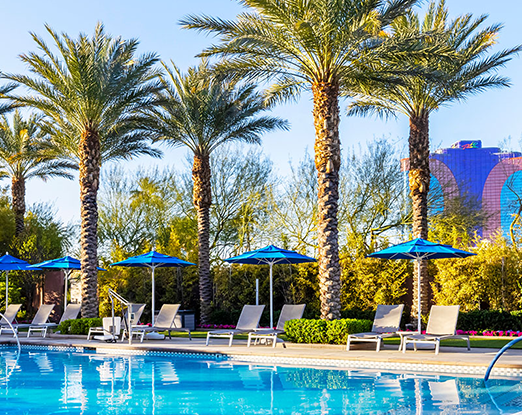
<point x="13" y="330"/>
<point x="501" y="351"/>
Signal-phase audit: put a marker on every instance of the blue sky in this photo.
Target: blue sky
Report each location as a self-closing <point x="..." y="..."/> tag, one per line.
<point x="492" y="116"/>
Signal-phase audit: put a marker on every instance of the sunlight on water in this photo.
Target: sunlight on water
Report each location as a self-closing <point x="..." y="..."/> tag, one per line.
<point x="45" y="382"/>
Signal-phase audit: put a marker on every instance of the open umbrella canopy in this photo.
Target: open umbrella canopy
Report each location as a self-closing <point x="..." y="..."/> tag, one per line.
<point x="153" y="260"/>
<point x="270" y="255"/>
<point x="420" y="249"/>
<point x="11" y="263"/>
<point x="66" y="263"/>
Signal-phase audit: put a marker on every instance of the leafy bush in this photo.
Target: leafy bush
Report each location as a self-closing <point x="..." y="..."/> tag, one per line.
<point x="321" y="331"/>
<point x="480" y="320"/>
<point x="79" y="326"/>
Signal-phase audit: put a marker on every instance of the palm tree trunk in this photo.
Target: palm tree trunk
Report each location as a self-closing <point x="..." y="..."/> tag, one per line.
<point x="18" y="196"/>
<point x="89" y="152"/>
<point x="202" y="198"/>
<point x="419" y="178"/>
<point x="327" y="161"/>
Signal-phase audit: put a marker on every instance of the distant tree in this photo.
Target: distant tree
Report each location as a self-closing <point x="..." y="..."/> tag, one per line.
<point x="25" y="153"/>
<point x="203" y="114"/>
<point x="470" y="70"/>
<point x="316" y="46"/>
<point x="93" y="94"/>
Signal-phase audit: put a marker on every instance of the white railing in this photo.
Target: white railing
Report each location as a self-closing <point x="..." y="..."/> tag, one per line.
<point x="113" y="295"/>
<point x="15" y="333"/>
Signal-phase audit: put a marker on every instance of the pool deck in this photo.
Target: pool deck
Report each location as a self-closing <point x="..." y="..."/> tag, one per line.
<point x="455" y="360"/>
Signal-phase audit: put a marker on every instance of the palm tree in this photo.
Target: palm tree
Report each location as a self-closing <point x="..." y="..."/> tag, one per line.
<point x="469" y="71"/>
<point x="312" y="45"/>
<point x="92" y="93"/>
<point x="25" y="153"/>
<point x="203" y="114"/>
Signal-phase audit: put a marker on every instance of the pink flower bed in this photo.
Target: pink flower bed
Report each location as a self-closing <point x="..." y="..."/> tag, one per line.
<point x="217" y="326"/>
<point x="492" y="333"/>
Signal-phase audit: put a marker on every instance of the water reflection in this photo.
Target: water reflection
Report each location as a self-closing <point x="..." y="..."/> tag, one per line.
<point x="49" y="382"/>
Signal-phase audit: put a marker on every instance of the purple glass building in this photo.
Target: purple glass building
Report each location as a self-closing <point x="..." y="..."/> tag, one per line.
<point x="490" y="176"/>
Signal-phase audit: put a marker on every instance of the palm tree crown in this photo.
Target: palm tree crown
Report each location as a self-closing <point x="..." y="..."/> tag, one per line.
<point x="202" y="114"/>
<point x="92" y="92"/>
<point x="25" y="153"/>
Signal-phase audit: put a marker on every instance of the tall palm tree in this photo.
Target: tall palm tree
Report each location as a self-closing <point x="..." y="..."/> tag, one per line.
<point x="92" y="93"/>
<point x="25" y="153"/>
<point x="312" y="45"/>
<point x="203" y="114"/>
<point x="469" y="71"/>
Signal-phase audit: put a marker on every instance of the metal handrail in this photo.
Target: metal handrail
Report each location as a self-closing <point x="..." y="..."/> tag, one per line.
<point x="501" y="351"/>
<point x="114" y="295"/>
<point x="15" y="334"/>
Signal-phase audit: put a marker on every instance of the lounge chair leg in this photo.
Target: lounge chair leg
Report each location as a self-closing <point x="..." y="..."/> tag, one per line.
<point x="249" y="339"/>
<point x="415" y="346"/>
<point x="274" y="341"/>
<point x="404" y="345"/>
<point x="230" y="342"/>
<point x="437" y="346"/>
<point x="469" y="346"/>
<point x="190" y="335"/>
<point x="348" y="344"/>
<point x="379" y="341"/>
<point x="208" y="337"/>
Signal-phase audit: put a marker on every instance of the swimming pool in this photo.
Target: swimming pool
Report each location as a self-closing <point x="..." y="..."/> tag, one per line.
<point x="50" y="382"/>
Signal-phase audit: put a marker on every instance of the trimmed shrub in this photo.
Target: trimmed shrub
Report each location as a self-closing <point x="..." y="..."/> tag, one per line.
<point x="480" y="320"/>
<point x="322" y="331"/>
<point x="79" y="326"/>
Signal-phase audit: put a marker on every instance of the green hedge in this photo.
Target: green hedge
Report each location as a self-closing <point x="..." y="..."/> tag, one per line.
<point x="490" y="320"/>
<point x="322" y="331"/>
<point x="79" y="326"/>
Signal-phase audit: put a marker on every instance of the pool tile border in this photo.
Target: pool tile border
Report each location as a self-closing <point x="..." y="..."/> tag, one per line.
<point x="476" y="370"/>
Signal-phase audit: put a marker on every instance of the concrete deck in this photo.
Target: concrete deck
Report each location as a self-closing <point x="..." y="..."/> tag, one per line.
<point x="450" y="359"/>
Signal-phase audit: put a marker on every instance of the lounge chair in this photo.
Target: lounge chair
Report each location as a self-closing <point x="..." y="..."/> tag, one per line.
<point x="385" y="324"/>
<point x="288" y="312"/>
<point x="111" y="332"/>
<point x="70" y="313"/>
<point x="41" y="317"/>
<point x="441" y="325"/>
<point x="248" y="321"/>
<point x="165" y="321"/>
<point x="9" y="316"/>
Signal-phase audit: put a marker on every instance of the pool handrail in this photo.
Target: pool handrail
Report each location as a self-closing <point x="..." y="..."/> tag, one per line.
<point x="500" y="353"/>
<point x="13" y="330"/>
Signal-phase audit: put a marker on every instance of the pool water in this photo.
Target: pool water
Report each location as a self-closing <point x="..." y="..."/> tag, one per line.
<point x="48" y="382"/>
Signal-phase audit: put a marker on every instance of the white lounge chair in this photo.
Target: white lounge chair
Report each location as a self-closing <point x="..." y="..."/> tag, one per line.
<point x="70" y="313"/>
<point x="386" y="323"/>
<point x="165" y="321"/>
<point x="9" y="315"/>
<point x="248" y="321"/>
<point x="441" y="325"/>
<point x="41" y="317"/>
<point x="111" y="331"/>
<point x="288" y="312"/>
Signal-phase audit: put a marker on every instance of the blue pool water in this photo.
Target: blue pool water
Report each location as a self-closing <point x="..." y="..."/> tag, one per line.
<point x="48" y="382"/>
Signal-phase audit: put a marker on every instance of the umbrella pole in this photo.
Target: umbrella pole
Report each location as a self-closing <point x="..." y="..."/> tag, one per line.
<point x="66" y="272"/>
<point x="6" y="289"/>
<point x="271" y="299"/>
<point x="153" y="295"/>
<point x="419" y="314"/>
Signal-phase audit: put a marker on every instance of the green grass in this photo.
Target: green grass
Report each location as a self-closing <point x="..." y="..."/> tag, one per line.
<point x="485" y="342"/>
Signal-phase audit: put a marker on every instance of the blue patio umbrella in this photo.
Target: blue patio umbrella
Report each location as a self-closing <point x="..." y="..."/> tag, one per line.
<point x="10" y="263"/>
<point x="67" y="264"/>
<point x="419" y="249"/>
<point x="153" y="260"/>
<point x="270" y="255"/>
